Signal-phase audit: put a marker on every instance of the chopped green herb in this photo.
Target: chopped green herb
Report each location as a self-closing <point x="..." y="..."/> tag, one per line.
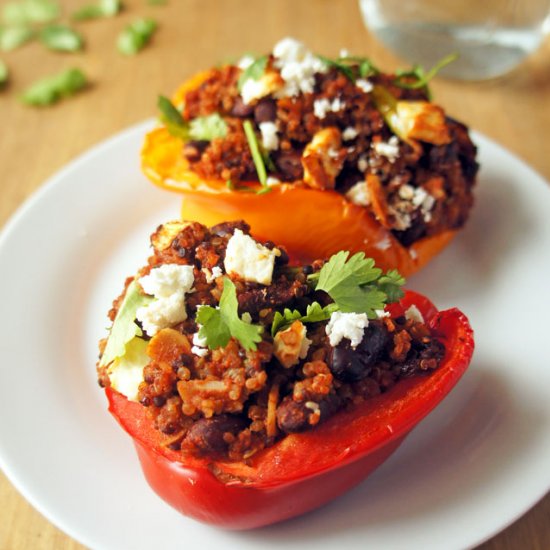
<point x="356" y="285"/>
<point x="420" y="77"/>
<point x="136" y="36"/>
<point x="208" y="127"/>
<point x="255" y="151"/>
<point x="344" y="69"/>
<point x="218" y="325"/>
<point x="61" y="38"/>
<point x="4" y="74"/>
<point x="30" y="11"/>
<point x="103" y="8"/>
<point x="229" y="184"/>
<point x="13" y="37"/>
<point x="124" y="328"/>
<point x="314" y="313"/>
<point x="52" y="89"/>
<point x="254" y="71"/>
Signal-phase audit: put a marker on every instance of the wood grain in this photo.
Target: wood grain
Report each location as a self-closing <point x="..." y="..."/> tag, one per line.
<point x="35" y="143"/>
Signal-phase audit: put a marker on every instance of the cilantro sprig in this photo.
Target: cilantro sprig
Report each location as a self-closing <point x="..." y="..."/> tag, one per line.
<point x="218" y="325"/>
<point x="353" y="283"/>
<point x="356" y="285"/>
<point x="414" y="78"/>
<point x="314" y="313"/>
<point x="200" y="128"/>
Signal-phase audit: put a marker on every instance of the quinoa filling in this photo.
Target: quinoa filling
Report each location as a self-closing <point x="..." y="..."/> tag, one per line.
<point x="334" y="125"/>
<point x="226" y="365"/>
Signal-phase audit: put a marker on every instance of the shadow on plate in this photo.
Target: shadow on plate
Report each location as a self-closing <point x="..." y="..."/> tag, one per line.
<point x="451" y="458"/>
<point x="499" y="224"/>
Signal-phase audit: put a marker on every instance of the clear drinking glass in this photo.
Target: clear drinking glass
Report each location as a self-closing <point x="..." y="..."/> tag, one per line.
<point x="490" y="36"/>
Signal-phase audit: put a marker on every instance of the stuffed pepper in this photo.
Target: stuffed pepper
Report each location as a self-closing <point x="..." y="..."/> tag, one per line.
<point x="318" y="154"/>
<point x="255" y="389"/>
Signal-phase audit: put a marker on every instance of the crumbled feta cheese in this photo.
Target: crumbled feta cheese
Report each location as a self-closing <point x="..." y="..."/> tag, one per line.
<point x="359" y="194"/>
<point x="344" y="53"/>
<point x="249" y="259"/>
<point x="162" y="313"/>
<point x="253" y="89"/>
<point x="381" y="313"/>
<point x="291" y="345"/>
<point x="346" y="325"/>
<point x="199" y="345"/>
<point x="270" y="140"/>
<point x="364" y="85"/>
<point x="272" y="180"/>
<point x="297" y="66"/>
<point x="245" y="62"/>
<point x="389" y="149"/>
<point x="211" y="276"/>
<point x="362" y="164"/>
<point x="168" y="284"/>
<point x="413" y="314"/>
<point x="323" y="106"/>
<point x="406" y="192"/>
<point x="349" y="133"/>
<point x="167" y="279"/>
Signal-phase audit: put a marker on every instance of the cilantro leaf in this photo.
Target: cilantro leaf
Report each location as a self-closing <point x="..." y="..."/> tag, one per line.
<point x="13" y="37"/>
<point x="201" y="128"/>
<point x="207" y="127"/>
<point x="124" y="328"/>
<point x="136" y="36"/>
<point x="61" y="38"/>
<point x="391" y="284"/>
<point x="4" y="74"/>
<point x="103" y="8"/>
<point x="49" y="90"/>
<point x="218" y="325"/>
<point x="30" y="11"/>
<point x="254" y="71"/>
<point x="356" y="285"/>
<point x="314" y="314"/>
<point x="344" y="69"/>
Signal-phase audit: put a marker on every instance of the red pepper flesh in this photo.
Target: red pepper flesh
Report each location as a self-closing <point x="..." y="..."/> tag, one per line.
<point x="302" y="471"/>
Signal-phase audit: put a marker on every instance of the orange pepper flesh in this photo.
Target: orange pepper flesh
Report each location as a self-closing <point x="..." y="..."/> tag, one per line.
<point x="301" y="471"/>
<point x="311" y="223"/>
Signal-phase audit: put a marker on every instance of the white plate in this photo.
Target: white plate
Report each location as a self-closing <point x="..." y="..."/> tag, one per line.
<point x="475" y="465"/>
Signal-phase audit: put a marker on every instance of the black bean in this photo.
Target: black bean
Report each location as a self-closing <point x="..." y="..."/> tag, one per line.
<point x="350" y="365"/>
<point x="293" y="417"/>
<point x="207" y="434"/>
<point x="265" y="110"/>
<point x="228" y="228"/>
<point x="159" y="400"/>
<point x="193" y="150"/>
<point x="241" y="109"/>
<point x="289" y="165"/>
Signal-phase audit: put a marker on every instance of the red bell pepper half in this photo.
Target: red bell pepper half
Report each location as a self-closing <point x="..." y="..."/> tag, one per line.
<point x="302" y="471"/>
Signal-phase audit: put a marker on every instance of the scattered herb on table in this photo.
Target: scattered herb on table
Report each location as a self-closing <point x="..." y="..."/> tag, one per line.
<point x="13" y="37"/>
<point x="61" y="38"/>
<point x="30" y="11"/>
<point x="101" y="9"/>
<point x="51" y="89"/>
<point x="4" y="74"/>
<point x="136" y="36"/>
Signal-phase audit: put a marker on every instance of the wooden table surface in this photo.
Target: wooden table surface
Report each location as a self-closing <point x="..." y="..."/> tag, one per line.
<point x="193" y="34"/>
